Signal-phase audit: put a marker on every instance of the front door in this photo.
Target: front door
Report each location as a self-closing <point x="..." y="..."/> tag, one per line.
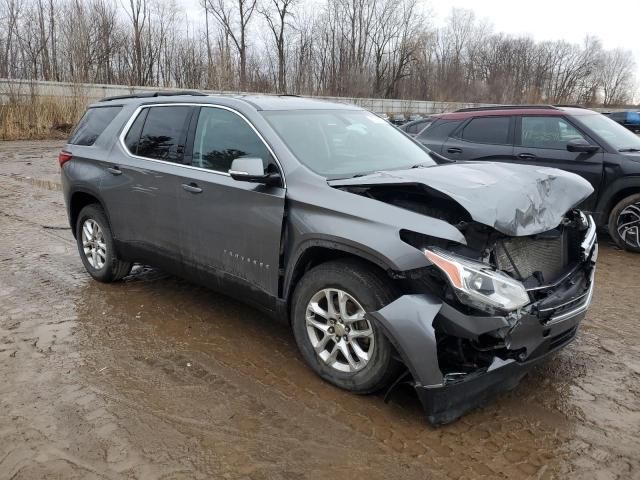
<point x="542" y="140"/>
<point x="232" y="229"/>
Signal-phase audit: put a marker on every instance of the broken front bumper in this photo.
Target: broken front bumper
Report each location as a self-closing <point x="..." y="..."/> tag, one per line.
<point x="410" y="323"/>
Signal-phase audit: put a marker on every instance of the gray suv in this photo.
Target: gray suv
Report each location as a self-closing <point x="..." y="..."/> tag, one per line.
<point x="388" y="266"/>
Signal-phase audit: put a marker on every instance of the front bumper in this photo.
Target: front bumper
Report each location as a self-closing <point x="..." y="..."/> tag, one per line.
<point x="446" y="403"/>
<point x="411" y="322"/>
<point x="456" y="395"/>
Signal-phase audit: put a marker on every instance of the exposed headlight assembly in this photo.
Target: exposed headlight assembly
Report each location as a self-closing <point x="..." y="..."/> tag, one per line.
<point x="477" y="284"/>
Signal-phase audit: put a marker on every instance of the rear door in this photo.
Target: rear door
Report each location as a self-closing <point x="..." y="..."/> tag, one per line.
<point x="542" y="140"/>
<point x="232" y="228"/>
<point x="142" y="187"/>
<point x="481" y="138"/>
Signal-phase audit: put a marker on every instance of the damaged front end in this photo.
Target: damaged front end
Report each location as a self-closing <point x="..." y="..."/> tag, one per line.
<point x="487" y="308"/>
<point x="474" y="323"/>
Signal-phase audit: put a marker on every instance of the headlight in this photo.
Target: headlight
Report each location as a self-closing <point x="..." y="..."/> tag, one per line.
<point x="477" y="285"/>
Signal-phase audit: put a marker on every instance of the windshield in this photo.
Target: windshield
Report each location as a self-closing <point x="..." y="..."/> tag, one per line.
<point x="612" y="132"/>
<point x="346" y="143"/>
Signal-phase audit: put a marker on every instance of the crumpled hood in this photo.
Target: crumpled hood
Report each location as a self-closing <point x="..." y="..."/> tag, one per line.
<point x="516" y="200"/>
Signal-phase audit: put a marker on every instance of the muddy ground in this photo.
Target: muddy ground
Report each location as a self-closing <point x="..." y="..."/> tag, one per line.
<point x="156" y="378"/>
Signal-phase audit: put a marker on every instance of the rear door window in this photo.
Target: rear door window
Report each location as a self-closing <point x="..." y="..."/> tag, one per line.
<point x="161" y="134"/>
<point x="491" y="130"/>
<point x="93" y="123"/>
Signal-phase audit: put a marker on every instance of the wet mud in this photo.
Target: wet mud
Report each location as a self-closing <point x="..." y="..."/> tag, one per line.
<point x="153" y="377"/>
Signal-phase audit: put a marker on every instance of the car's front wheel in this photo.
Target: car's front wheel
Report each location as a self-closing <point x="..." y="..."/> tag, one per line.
<point x="330" y="328"/>
<point x="624" y="223"/>
<point x="95" y="245"/>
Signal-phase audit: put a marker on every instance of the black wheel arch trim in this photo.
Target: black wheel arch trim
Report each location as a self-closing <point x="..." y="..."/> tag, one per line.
<point x="605" y="202"/>
<point x="328" y="243"/>
<point x="73" y="190"/>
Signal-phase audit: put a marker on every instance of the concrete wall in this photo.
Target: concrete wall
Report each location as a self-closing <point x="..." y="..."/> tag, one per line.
<point x="91" y="92"/>
<point x="10" y="88"/>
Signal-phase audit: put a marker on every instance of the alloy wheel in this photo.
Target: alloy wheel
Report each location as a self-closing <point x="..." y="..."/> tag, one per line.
<point x="628" y="225"/>
<point x="340" y="335"/>
<point x="93" y="244"/>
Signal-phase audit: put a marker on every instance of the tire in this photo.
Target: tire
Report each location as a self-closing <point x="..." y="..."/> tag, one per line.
<point x="105" y="266"/>
<point x="626" y="211"/>
<point x="369" y="288"/>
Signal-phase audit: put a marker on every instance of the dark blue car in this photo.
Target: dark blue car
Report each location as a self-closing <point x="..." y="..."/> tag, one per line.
<point x="630" y="120"/>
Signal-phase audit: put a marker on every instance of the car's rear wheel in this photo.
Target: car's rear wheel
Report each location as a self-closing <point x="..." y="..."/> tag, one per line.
<point x="624" y="223"/>
<point x="95" y="245"/>
<point x="330" y="328"/>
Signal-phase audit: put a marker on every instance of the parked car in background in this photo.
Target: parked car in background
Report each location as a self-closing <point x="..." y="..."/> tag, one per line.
<point x="629" y="120"/>
<point x="415" y="116"/>
<point x="574" y="139"/>
<point x="414" y="127"/>
<point x="387" y="266"/>
<point x="398" y="119"/>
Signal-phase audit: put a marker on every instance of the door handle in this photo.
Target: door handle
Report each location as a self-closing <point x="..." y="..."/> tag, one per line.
<point x="527" y="156"/>
<point x="192" y="187"/>
<point x="114" y="170"/>
<point x="454" y="150"/>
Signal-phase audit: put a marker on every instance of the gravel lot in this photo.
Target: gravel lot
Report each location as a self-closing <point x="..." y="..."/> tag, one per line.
<point x="156" y="378"/>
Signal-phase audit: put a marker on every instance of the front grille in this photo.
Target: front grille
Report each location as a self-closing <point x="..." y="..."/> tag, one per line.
<point x="523" y="256"/>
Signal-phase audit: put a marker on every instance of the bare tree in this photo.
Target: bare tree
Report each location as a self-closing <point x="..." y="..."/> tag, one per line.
<point x="356" y="48"/>
<point x="234" y="17"/>
<point x="276" y="14"/>
<point x="616" y="76"/>
<point x="138" y="13"/>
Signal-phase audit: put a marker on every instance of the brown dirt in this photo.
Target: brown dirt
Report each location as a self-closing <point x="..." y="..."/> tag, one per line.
<point x="156" y="378"/>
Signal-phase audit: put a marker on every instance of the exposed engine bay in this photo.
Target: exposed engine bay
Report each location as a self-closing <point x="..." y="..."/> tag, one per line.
<point x="536" y="260"/>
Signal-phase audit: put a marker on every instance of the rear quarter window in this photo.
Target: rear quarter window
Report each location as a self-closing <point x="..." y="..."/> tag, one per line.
<point x="92" y="124"/>
<point x="439" y="129"/>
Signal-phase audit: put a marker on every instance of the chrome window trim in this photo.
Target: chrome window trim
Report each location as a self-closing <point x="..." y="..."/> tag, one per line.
<point x="136" y="112"/>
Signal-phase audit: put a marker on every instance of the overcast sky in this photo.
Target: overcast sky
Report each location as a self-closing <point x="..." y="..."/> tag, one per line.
<point x="615" y="22"/>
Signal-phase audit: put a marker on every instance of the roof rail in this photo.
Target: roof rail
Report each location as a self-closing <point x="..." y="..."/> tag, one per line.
<point x="507" y="107"/>
<point x="568" y="105"/>
<point x="161" y="93"/>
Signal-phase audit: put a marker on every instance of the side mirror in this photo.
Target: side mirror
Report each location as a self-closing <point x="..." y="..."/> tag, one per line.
<point x="250" y="169"/>
<point x="580" y="145"/>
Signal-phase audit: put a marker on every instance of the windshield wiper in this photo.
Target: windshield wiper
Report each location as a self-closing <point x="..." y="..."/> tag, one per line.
<point x="630" y="149"/>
